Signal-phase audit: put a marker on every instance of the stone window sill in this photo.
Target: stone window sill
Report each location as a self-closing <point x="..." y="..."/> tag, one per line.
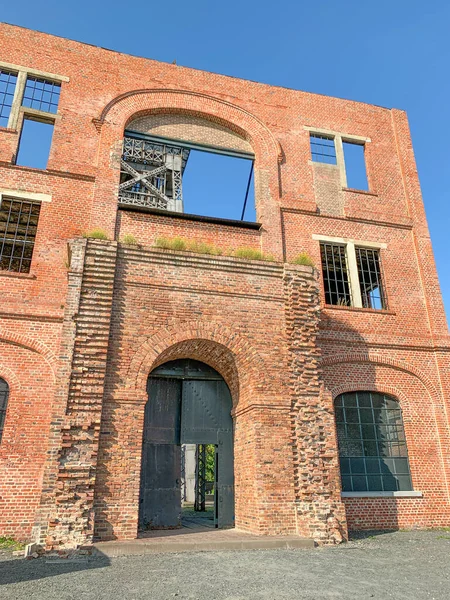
<point x="355" y="191"/>
<point x="359" y="309"/>
<point x="410" y="494"/>
<point x="17" y="275"/>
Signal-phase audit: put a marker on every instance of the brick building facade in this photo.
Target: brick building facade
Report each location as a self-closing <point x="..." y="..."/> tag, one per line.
<point x="355" y="349"/>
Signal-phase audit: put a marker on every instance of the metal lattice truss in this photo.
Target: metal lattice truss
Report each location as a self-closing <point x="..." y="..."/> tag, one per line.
<point x="151" y="174"/>
<point x="200" y="478"/>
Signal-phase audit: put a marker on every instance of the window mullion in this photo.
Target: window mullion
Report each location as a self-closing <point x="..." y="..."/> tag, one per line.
<point x="13" y="120"/>
<point x="340" y="160"/>
<point x="353" y="275"/>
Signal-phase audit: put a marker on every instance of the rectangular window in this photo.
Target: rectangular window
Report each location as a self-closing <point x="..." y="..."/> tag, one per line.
<point x="18" y="226"/>
<point x="35" y="143"/>
<point x="355" y="166"/>
<point x="41" y="94"/>
<point x="8" y="82"/>
<point x="323" y="149"/>
<point x="335" y="274"/>
<point x="370" y="282"/>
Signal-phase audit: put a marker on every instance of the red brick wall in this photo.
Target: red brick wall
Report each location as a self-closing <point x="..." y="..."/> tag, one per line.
<point x="107" y="90"/>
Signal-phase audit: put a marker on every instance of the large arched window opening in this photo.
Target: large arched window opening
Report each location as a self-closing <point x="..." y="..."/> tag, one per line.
<point x="372" y="445"/>
<point x="4" y="394"/>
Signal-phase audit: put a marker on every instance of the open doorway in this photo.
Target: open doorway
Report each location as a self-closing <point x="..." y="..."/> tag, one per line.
<point x="187" y="473"/>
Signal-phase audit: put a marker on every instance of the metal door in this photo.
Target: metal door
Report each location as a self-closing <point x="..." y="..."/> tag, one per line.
<point x="206" y="419"/>
<point x="160" y="494"/>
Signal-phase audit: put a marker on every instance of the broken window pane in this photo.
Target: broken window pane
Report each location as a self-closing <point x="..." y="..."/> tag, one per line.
<point x="355" y="166"/>
<point x="18" y="227"/>
<point x="323" y="149"/>
<point x="35" y="143"/>
<point x="8" y="82"/>
<point x="41" y="94"/>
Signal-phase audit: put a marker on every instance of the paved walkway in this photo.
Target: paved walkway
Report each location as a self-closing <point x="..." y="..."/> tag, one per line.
<point x="199" y="539"/>
<point x="394" y="566"/>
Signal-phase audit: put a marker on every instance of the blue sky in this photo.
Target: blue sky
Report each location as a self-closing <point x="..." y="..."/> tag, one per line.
<point x="393" y="53"/>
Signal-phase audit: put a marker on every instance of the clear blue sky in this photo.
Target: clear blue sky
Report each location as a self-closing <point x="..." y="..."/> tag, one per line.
<point x="394" y="53"/>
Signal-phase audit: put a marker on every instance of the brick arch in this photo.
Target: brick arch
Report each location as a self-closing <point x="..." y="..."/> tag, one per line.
<point x="222" y="349"/>
<point x="30" y="344"/>
<point x="10" y="377"/>
<point x="377" y="359"/>
<point x="135" y="103"/>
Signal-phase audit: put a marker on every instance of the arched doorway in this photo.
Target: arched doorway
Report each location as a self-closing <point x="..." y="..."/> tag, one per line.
<point x="188" y="409"/>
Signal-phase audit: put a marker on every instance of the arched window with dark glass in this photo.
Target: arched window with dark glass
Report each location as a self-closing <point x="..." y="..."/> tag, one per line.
<point x="4" y="393"/>
<point x="372" y="445"/>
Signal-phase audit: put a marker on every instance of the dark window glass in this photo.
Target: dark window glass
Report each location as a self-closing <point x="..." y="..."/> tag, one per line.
<point x="323" y="149"/>
<point x="8" y="82"/>
<point x="373" y="453"/>
<point x="18" y="226"/>
<point x="370" y="281"/>
<point x="41" y="94"/>
<point x="4" y="393"/>
<point x="335" y="275"/>
<point x="355" y="166"/>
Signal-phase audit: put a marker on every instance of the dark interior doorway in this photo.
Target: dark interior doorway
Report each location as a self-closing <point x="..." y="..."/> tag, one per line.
<point x="187" y="474"/>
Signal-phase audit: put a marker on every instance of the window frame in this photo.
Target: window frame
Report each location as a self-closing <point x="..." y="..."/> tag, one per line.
<point x="352" y="269"/>
<point x="393" y="435"/>
<point x="33" y="198"/>
<point x="339" y="138"/>
<point x="4" y="411"/>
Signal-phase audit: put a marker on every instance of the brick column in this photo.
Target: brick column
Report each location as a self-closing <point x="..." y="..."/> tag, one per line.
<point x="320" y="511"/>
<point x="66" y="517"/>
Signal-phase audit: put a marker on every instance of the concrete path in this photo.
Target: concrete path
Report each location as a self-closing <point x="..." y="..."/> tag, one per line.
<point x="197" y="540"/>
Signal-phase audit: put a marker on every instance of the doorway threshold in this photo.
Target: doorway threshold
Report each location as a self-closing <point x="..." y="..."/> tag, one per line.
<point x="199" y="539"/>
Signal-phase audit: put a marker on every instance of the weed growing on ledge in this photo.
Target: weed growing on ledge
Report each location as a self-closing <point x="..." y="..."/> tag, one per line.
<point x="178" y="243"/>
<point x="253" y="254"/>
<point x="9" y="543"/>
<point x="303" y="259"/>
<point x="129" y="239"/>
<point x="96" y="234"/>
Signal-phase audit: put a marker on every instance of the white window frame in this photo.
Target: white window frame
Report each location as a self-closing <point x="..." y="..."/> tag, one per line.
<point x="352" y="266"/>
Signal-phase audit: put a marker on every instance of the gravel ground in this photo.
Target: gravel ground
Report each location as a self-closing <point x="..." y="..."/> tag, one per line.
<point x="400" y="565"/>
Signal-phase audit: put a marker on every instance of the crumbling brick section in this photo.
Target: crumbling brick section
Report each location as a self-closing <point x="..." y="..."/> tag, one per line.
<point x="84" y="352"/>
<point x="320" y="511"/>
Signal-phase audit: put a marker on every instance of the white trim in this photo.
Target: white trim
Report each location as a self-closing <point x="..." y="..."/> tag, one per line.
<point x="339" y="240"/>
<point x="36" y="196"/>
<point x="410" y="494"/>
<point x="30" y="71"/>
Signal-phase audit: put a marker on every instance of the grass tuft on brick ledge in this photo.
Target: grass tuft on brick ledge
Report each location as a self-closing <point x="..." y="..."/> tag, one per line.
<point x="253" y="254"/>
<point x="179" y="243"/>
<point x="303" y="259"/>
<point x="96" y="234"/>
<point x="129" y="239"/>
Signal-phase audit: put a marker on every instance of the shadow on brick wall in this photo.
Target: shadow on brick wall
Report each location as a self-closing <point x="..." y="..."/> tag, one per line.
<point x="368" y="464"/>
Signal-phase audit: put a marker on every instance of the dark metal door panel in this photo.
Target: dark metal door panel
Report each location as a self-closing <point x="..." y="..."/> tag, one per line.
<point x="225" y="480"/>
<point x="160" y="497"/>
<point x="206" y="410"/>
<point x="160" y="486"/>
<point x="163" y="411"/>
